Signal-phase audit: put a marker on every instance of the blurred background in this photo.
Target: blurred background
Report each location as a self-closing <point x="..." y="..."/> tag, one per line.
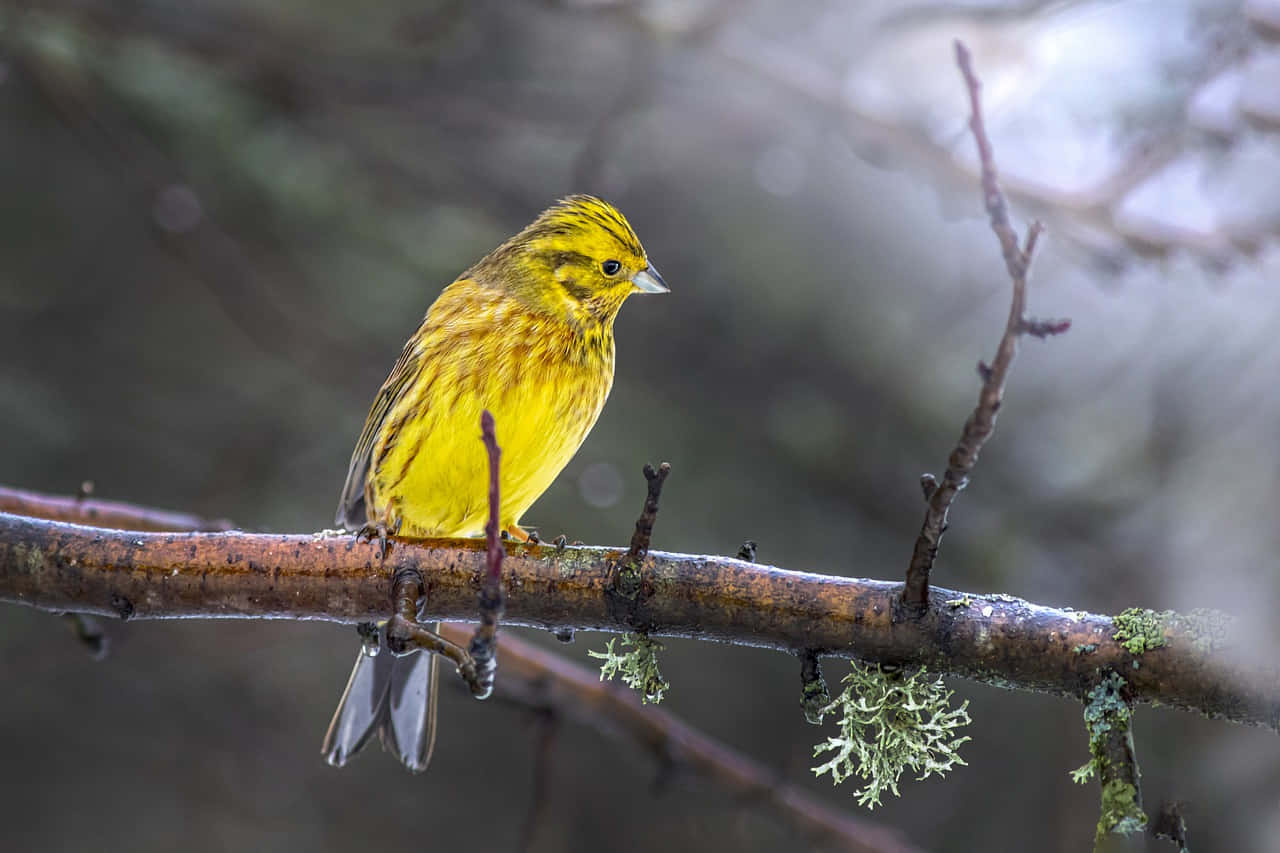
<point x="222" y="219"/>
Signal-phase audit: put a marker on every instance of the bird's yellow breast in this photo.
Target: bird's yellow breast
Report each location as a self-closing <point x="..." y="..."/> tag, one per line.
<point x="544" y="380"/>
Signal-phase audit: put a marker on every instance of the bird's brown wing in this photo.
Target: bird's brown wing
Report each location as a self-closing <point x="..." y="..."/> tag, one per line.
<point x="352" y="513"/>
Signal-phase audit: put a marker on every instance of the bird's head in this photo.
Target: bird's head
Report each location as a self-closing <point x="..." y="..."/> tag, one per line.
<point x="580" y="256"/>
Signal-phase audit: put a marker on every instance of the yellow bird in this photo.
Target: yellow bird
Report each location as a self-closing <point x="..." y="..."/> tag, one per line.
<point x="526" y="333"/>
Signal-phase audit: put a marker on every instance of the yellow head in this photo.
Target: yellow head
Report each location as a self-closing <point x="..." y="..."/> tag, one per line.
<point x="579" y="258"/>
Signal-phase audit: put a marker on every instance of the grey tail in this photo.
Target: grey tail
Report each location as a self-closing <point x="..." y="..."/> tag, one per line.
<point x="393" y="696"/>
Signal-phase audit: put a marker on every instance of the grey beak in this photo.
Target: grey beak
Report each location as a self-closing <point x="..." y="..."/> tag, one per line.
<point x="648" y="281"/>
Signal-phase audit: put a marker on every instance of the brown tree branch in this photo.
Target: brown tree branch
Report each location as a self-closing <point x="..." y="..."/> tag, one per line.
<point x="548" y="682"/>
<point x="100" y="513"/>
<point x="558" y="688"/>
<point x="982" y="422"/>
<point x="995" y="639"/>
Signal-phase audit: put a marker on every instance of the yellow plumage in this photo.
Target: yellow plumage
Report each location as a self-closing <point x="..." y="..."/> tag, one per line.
<point x="526" y="333"/>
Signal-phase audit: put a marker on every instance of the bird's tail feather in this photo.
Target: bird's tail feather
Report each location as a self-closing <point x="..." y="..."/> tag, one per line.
<point x="394" y="696"/>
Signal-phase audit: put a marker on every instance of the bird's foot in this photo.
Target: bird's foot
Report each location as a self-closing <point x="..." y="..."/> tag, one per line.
<point x="382" y="533"/>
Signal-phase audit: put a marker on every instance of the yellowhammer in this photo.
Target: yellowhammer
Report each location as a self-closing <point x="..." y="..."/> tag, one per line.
<point x="526" y="333"/>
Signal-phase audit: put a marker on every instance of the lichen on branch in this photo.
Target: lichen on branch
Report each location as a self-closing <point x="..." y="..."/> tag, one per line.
<point x="1140" y="630"/>
<point x="891" y="721"/>
<point x="1108" y="718"/>
<point x="638" y="667"/>
<point x="998" y="640"/>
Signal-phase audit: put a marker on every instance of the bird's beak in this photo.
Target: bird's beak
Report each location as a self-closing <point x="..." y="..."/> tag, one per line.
<point x="648" y="281"/>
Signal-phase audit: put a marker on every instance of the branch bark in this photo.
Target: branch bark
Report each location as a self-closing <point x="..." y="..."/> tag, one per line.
<point x="998" y="640"/>
<point x="555" y="687"/>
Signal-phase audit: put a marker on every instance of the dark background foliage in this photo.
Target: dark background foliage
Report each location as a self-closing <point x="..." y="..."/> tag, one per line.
<point x="221" y="220"/>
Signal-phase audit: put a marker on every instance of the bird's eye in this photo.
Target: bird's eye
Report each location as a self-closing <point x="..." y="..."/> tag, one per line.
<point x="611" y="267"/>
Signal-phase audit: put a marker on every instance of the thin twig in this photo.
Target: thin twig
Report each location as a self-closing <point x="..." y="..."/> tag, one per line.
<point x="644" y="524"/>
<point x="492" y="599"/>
<point x="995" y="639"/>
<point x="540" y="679"/>
<point x="981" y="423"/>
<point x="626" y="592"/>
<point x="100" y="513"/>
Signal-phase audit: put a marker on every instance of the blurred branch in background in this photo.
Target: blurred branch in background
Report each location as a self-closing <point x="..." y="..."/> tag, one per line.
<point x="997" y="639"/>
<point x="1133" y="198"/>
<point x="1105" y="210"/>
<point x="548" y="683"/>
<point x="100" y="513"/>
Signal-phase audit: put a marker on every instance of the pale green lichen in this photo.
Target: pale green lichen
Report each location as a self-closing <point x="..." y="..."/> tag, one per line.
<point x="1085" y="648"/>
<point x="958" y="602"/>
<point x="1108" y="715"/>
<point x="638" y="667"/>
<point x="890" y="721"/>
<point x="1083" y="773"/>
<point x="1140" y="630"/>
<point x="1207" y="627"/>
<point x="1121" y="812"/>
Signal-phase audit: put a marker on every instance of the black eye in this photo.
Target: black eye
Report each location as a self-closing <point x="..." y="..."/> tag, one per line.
<point x="610" y="267"/>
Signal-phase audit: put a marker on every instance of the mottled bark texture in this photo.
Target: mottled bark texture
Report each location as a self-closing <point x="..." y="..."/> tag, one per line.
<point x="999" y="640"/>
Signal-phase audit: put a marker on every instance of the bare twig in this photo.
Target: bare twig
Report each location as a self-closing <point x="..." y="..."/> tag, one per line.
<point x="543" y="680"/>
<point x="994" y="639"/>
<point x="100" y="513"/>
<point x="644" y="524"/>
<point x="981" y="423"/>
<point x="626" y="593"/>
<point x="492" y="599"/>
